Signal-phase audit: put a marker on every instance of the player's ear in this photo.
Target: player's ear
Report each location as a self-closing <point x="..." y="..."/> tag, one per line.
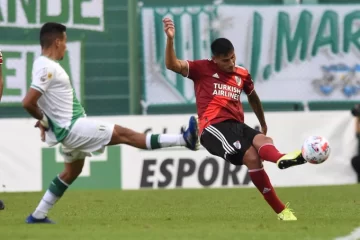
<point x="214" y="59"/>
<point x="57" y="42"/>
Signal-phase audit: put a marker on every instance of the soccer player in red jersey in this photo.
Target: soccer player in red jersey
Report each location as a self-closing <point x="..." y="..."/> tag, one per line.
<point x="218" y="83"/>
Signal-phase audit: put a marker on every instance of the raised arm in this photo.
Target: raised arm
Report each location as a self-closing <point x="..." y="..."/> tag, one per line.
<point x="171" y="61"/>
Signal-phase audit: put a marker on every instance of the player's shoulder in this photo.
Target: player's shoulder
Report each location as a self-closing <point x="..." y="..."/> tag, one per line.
<point x="241" y="70"/>
<point x="200" y="65"/>
<point x="42" y="60"/>
<point x="44" y="63"/>
<point x="204" y="61"/>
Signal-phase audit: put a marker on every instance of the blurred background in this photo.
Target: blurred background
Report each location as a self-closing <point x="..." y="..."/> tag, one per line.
<point x="301" y="54"/>
<point x="304" y="57"/>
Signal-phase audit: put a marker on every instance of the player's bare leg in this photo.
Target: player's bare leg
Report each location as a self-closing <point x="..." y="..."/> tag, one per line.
<point x="56" y="190"/>
<point x="267" y="151"/>
<point x="262" y="182"/>
<point x="189" y="138"/>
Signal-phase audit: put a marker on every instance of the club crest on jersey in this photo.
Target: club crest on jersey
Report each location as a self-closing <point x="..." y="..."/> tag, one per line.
<point x="238" y="80"/>
<point x="237" y="144"/>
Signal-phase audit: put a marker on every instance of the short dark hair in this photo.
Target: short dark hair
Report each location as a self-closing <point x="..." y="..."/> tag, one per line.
<point x="221" y="46"/>
<point x="49" y="32"/>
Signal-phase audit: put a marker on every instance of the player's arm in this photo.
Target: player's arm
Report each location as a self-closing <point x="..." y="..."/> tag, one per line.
<point x="256" y="105"/>
<point x="29" y="103"/>
<point x="42" y="79"/>
<point x="255" y="102"/>
<point x="171" y="61"/>
<point x="1" y="77"/>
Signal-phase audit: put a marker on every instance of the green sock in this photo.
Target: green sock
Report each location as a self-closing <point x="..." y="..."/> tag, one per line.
<point x="58" y="187"/>
<point x="51" y="196"/>
<point x="154" y="141"/>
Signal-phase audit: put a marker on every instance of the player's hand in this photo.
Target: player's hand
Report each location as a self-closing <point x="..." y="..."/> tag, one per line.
<point x="264" y="129"/>
<point x="1" y="58"/>
<point x="169" y="28"/>
<point x="42" y="130"/>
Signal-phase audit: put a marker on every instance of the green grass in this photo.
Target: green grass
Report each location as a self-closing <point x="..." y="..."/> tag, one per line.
<point x="323" y="213"/>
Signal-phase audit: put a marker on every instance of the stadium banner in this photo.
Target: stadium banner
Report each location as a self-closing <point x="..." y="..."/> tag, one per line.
<point x="311" y="51"/>
<point x="182" y="168"/>
<point x="19" y="17"/>
<point x="75" y="14"/>
<point x="27" y="164"/>
<point x="17" y="68"/>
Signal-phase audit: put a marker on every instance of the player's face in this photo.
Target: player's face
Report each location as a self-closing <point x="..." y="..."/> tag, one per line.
<point x="226" y="62"/>
<point x="61" y="45"/>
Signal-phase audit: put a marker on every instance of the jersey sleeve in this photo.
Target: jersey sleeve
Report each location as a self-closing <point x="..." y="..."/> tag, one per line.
<point x="41" y="78"/>
<point x="195" y="69"/>
<point x="248" y="84"/>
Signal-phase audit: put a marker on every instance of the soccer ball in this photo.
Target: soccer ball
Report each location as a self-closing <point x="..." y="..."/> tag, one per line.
<point x="316" y="149"/>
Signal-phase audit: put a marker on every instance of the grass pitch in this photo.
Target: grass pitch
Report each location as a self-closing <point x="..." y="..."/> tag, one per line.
<point x="323" y="213"/>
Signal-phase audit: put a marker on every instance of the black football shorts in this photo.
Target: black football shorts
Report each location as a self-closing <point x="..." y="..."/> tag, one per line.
<point x="229" y="139"/>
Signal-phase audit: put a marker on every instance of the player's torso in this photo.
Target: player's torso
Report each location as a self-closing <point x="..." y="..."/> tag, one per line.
<point x="218" y="95"/>
<point x="59" y="100"/>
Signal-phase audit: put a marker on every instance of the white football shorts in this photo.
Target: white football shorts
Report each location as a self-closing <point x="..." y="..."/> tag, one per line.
<point x="86" y="136"/>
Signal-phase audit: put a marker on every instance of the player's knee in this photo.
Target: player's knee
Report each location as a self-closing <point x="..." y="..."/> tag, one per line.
<point x="76" y="172"/>
<point x="119" y="136"/>
<point x="72" y="171"/>
<point x="116" y="135"/>
<point x="251" y="159"/>
<point x="268" y="140"/>
<point x="260" y="139"/>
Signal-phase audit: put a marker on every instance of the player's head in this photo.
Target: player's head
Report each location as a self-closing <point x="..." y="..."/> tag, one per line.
<point x="223" y="54"/>
<point x="53" y="38"/>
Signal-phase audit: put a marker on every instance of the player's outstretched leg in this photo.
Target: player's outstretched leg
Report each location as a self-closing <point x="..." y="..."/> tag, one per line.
<point x="189" y="138"/>
<point x="55" y="191"/>
<point x="267" y="151"/>
<point x="262" y="182"/>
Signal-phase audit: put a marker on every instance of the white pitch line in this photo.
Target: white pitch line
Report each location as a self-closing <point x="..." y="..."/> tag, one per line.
<point x="354" y="235"/>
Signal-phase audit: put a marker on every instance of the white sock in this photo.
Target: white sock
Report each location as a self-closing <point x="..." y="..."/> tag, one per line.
<point x="155" y="141"/>
<point x="148" y="141"/>
<point x="45" y="205"/>
<point x="171" y="140"/>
